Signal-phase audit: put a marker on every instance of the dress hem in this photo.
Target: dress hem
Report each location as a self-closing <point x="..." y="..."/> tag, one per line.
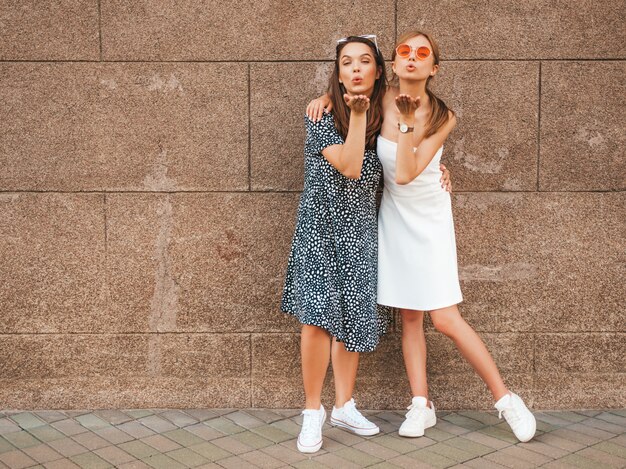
<point x="421" y="308"/>
<point x="334" y="335"/>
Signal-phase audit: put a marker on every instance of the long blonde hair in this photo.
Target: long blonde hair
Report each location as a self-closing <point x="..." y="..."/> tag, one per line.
<point x="439" y="110"/>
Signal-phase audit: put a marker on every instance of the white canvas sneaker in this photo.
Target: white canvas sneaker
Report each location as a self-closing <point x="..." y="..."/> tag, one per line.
<point x="517" y="415"/>
<point x="418" y="418"/>
<point x="310" y="438"/>
<point x="350" y="418"/>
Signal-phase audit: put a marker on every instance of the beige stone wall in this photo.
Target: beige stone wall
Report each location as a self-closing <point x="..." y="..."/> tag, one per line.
<point x="151" y="163"/>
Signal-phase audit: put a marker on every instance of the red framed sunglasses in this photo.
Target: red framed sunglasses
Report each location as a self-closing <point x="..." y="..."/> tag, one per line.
<point x="404" y="51"/>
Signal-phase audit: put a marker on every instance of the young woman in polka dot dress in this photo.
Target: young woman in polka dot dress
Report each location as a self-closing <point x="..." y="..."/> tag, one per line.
<point x="331" y="279"/>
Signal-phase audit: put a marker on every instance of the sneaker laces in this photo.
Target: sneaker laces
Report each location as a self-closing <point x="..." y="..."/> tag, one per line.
<point x="311" y="421"/>
<point x="416" y="412"/>
<point x="511" y="414"/>
<point x="353" y="413"/>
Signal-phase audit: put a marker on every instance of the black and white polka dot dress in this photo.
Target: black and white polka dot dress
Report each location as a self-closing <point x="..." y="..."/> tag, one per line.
<point x="332" y="270"/>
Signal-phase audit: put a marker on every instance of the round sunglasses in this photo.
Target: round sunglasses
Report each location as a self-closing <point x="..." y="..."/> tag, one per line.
<point x="404" y="51"/>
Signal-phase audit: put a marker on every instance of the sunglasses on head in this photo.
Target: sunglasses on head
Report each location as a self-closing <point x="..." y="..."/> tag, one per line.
<point x="370" y="37"/>
<point x="404" y="51"/>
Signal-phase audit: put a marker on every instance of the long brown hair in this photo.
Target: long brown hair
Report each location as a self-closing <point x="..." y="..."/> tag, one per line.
<point x="439" y="110"/>
<point x="336" y="90"/>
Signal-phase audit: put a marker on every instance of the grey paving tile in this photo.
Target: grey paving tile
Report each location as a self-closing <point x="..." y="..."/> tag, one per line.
<point x="284" y="454"/>
<point x="592" y="431"/>
<point x="578" y="460"/>
<point x="16" y="459"/>
<point x="157" y="424"/>
<point x="90" y="461"/>
<point x="138" y="413"/>
<point x="6" y="446"/>
<point x="611" y="448"/>
<point x="21" y="439"/>
<point x="426" y="456"/>
<point x="201" y="414"/>
<point x="69" y="427"/>
<point x="162" y="461"/>
<point x="252" y="439"/>
<point x="183" y="437"/>
<point x="486" y="440"/>
<point x="67" y="447"/>
<point x="91" y="421"/>
<point x="233" y="446"/>
<point x="134" y="465"/>
<point x="261" y="459"/>
<point x="234" y="462"/>
<point x="603" y="425"/>
<point x="210" y="451"/>
<point x="244" y="420"/>
<point x="266" y="415"/>
<point x="114" y="435"/>
<point x="138" y="449"/>
<point x="135" y="429"/>
<point x="374" y="449"/>
<point x="333" y="460"/>
<point x="112" y="416"/>
<point x="8" y="426"/>
<point x="47" y="433"/>
<point x="91" y="441"/>
<point x="224" y="425"/>
<point x="204" y="431"/>
<point x="547" y="450"/>
<point x="64" y="463"/>
<point x="187" y="457"/>
<point x="554" y="440"/>
<point x="27" y="420"/>
<point x="272" y="433"/>
<point x="464" y="422"/>
<point x="160" y="443"/>
<point x="482" y="463"/>
<point x="178" y="418"/>
<point x="603" y="457"/>
<point x="42" y="453"/>
<point x="114" y="455"/>
<point x="451" y="452"/>
<point x="50" y="415"/>
<point x="612" y="418"/>
<point x="403" y="445"/>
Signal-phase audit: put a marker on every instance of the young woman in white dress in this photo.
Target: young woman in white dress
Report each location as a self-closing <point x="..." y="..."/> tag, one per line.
<point x="417" y="265"/>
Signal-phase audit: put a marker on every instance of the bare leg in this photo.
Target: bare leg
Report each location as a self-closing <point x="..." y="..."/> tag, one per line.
<point x="414" y="350"/>
<point x="449" y="322"/>
<point x="315" y="351"/>
<point x="345" y="365"/>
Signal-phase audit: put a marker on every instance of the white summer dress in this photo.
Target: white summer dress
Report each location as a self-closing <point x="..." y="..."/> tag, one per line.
<point x="417" y="266"/>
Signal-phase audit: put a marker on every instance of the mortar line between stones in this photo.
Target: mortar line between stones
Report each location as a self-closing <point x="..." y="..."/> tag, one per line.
<point x="251" y="365"/>
<point x="395" y="22"/>
<point x="539" y="127"/>
<point x="433" y="332"/>
<point x="106" y="256"/>
<point x="276" y="191"/>
<point x="100" y="28"/>
<point x="605" y="59"/>
<point x="249" y="134"/>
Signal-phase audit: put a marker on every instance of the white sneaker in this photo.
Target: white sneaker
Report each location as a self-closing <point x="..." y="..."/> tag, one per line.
<point x="310" y="438"/>
<point x="350" y="418"/>
<point x="517" y="415"/>
<point x="418" y="418"/>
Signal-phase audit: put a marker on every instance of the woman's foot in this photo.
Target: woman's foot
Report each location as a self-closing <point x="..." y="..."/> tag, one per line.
<point x="517" y="415"/>
<point x="418" y="418"/>
<point x="350" y="418"/>
<point x="310" y="438"/>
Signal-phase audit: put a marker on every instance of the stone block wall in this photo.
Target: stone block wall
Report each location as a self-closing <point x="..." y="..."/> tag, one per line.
<point x="151" y="163"/>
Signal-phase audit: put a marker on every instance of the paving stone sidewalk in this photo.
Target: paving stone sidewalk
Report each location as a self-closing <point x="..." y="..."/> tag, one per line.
<point x="181" y="438"/>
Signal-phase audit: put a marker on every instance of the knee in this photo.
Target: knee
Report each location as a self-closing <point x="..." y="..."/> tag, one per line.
<point x="445" y="322"/>
<point x="314" y="332"/>
<point x="412" y="319"/>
